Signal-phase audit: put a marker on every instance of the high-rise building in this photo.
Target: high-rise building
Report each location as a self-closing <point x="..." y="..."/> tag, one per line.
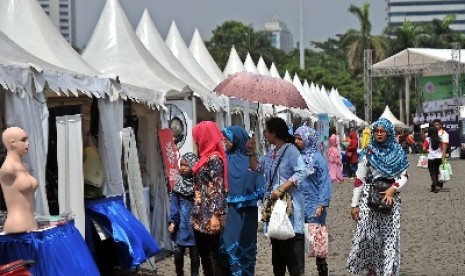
<point x="280" y="37"/>
<point x="425" y="11"/>
<point x="61" y="12"/>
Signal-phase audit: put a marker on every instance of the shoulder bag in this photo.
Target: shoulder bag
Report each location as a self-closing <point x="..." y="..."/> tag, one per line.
<point x="376" y="189"/>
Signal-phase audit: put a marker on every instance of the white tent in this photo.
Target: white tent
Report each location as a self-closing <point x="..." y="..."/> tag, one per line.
<point x="117" y="51"/>
<point x="261" y="67"/>
<point x="202" y="56"/>
<point x="418" y="58"/>
<point x="387" y="114"/>
<point x="234" y="64"/>
<point x="152" y="40"/>
<point x="274" y="71"/>
<point x="249" y="65"/>
<point x="339" y="104"/>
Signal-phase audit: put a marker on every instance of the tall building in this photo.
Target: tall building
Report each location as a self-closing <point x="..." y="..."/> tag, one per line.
<point x="426" y="10"/>
<point x="61" y="12"/>
<point x="281" y="37"/>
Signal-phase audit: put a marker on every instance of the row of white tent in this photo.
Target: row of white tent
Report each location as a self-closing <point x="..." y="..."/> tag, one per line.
<point x="117" y="63"/>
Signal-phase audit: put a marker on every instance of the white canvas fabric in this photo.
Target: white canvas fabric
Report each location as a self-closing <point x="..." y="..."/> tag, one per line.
<point x="31" y="114"/>
<point x="249" y="65"/>
<point x="70" y="168"/>
<point x="109" y="145"/>
<point x="234" y="64"/>
<point x="387" y="113"/>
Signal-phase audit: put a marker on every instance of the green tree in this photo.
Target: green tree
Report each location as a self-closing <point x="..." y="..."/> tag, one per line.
<point x="357" y="41"/>
<point x="408" y="35"/>
<point x="245" y="40"/>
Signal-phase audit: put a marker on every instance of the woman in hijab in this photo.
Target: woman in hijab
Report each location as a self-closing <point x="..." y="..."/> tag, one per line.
<point x="334" y="157"/>
<point x="245" y="188"/>
<point x="210" y="186"/>
<point x="284" y="172"/>
<point x="182" y="200"/>
<point x="376" y="243"/>
<point x="316" y="190"/>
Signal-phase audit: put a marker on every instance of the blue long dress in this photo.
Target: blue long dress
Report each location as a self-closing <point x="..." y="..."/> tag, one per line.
<point x="245" y="188"/>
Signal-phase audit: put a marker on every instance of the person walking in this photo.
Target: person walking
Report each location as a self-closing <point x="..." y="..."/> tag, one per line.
<point x="210" y="187"/>
<point x="182" y="200"/>
<point x="435" y="153"/>
<point x="334" y="157"/>
<point x="284" y="171"/>
<point x="246" y="186"/>
<point x="376" y="243"/>
<point x="351" y="153"/>
<point x="316" y="190"/>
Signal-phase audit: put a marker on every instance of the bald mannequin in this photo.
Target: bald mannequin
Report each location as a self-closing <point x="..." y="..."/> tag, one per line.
<point x="17" y="184"/>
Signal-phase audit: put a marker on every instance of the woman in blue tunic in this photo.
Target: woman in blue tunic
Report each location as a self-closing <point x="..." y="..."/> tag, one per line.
<point x="316" y="190"/>
<point x="245" y="188"/>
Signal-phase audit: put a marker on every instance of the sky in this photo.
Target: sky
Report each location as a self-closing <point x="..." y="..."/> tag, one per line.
<point x="322" y="18"/>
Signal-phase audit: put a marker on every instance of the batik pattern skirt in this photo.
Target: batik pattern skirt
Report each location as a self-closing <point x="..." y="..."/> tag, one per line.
<point x="376" y="243"/>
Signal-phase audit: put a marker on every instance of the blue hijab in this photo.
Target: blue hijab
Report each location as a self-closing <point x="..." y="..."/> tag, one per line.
<point x="388" y="157"/>
<point x="244" y="185"/>
<point x="310" y="139"/>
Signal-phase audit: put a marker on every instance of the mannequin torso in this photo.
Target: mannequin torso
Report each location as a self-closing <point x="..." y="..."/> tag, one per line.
<point x="17" y="184"/>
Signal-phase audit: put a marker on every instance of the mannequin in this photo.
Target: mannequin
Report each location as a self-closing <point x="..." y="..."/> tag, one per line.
<point x="17" y="184"/>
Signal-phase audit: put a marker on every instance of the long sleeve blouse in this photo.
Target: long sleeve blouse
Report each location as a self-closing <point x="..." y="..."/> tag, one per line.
<point x="360" y="181"/>
<point x="292" y="167"/>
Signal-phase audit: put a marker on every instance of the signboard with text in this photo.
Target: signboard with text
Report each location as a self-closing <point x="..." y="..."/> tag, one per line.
<point x="169" y="154"/>
<point x="437" y="92"/>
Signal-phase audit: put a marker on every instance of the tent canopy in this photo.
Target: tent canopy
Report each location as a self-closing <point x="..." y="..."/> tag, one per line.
<point x="424" y="59"/>
<point x="387" y="114"/>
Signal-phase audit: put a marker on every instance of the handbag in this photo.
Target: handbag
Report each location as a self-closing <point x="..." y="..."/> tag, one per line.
<point x="447" y="167"/>
<point x="316" y="236"/>
<point x="267" y="208"/>
<point x="376" y="189"/>
<point x="280" y="227"/>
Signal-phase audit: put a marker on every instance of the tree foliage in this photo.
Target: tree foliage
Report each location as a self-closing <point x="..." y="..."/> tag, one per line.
<point x="338" y="61"/>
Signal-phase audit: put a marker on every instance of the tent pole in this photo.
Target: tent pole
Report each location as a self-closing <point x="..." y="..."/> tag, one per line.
<point x="407" y="100"/>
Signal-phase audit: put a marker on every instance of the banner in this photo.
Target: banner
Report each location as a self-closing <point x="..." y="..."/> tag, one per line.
<point x="169" y="154"/>
<point x="436" y="88"/>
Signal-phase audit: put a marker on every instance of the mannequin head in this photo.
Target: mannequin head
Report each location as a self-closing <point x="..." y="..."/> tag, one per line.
<point x="15" y="140"/>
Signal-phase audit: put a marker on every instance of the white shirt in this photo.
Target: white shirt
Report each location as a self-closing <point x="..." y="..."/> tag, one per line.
<point x="434" y="154"/>
<point x="444" y="136"/>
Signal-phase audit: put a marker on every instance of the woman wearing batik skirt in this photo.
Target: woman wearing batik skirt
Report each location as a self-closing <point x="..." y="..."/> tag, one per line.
<point x="376" y="243"/>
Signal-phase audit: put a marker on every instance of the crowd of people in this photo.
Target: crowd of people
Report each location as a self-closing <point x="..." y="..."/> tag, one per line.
<point x="214" y="213"/>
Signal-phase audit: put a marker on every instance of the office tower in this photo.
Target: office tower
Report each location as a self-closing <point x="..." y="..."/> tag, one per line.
<point x="425" y="11"/>
<point x="61" y="12"/>
<point x="281" y="37"/>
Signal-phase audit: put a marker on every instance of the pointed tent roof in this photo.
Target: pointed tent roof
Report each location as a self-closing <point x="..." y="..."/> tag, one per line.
<point x="250" y="65"/>
<point x="337" y="101"/>
<point x="152" y="40"/>
<point x="261" y="67"/>
<point x="287" y="77"/>
<point x="115" y="49"/>
<point x="387" y="114"/>
<point x="234" y="64"/>
<point x="202" y="56"/>
<point x="19" y="61"/>
<point x="25" y="22"/>
<point x="274" y="71"/>
<point x="181" y="52"/>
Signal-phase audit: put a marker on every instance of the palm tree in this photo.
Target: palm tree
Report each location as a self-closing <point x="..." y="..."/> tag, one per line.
<point x="409" y="35"/>
<point x="357" y="42"/>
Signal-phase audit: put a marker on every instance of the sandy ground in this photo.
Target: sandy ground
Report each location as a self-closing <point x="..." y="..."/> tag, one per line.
<point x="432" y="237"/>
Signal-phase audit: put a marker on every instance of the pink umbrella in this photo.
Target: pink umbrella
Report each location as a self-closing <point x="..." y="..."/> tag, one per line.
<point x="263" y="89"/>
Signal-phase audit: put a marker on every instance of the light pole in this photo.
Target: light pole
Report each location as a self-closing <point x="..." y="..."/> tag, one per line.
<point x="301" y="43"/>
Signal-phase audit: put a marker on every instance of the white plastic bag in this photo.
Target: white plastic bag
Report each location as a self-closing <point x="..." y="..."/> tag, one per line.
<point x="448" y="167"/>
<point x="444" y="174"/>
<point x="422" y="161"/>
<point x="280" y="227"/>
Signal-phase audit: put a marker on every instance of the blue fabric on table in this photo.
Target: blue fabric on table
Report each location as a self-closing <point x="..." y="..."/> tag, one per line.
<point x="133" y="242"/>
<point x="60" y="250"/>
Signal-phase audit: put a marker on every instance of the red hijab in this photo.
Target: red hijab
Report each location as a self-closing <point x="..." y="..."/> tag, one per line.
<point x="208" y="138"/>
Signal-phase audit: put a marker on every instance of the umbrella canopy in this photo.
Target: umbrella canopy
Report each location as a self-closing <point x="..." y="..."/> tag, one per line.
<point x="263" y="89"/>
